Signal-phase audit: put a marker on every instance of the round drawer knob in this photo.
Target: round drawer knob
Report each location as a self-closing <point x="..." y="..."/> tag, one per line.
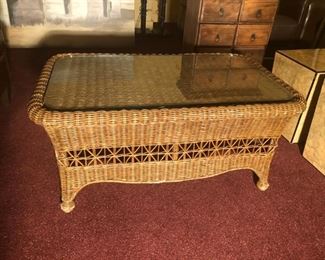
<point x="217" y="39"/>
<point x="253" y="37"/>
<point x="221" y="12"/>
<point x="259" y="13"/>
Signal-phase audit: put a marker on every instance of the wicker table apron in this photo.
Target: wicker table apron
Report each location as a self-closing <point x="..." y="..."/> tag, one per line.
<point x="148" y="135"/>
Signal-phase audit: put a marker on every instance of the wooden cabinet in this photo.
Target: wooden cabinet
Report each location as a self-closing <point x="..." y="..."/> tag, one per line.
<point x="242" y="26"/>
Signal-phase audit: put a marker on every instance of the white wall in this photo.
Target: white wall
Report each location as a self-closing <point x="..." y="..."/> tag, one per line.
<point x="95" y="9"/>
<point x="85" y="25"/>
<point x="4" y="14"/>
<point x="79" y="8"/>
<point x="53" y="9"/>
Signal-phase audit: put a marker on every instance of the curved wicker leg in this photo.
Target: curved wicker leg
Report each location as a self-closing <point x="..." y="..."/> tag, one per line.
<point x="67" y="206"/>
<point x="67" y="195"/>
<point x="262" y="184"/>
<point x="263" y="173"/>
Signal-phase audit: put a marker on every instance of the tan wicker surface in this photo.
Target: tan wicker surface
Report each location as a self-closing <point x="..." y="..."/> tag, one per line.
<point x="79" y="105"/>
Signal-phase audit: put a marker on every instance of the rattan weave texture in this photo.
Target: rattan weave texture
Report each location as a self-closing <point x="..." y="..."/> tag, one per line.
<point x="159" y="144"/>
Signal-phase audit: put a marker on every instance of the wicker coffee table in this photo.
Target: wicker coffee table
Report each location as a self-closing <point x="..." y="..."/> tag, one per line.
<point x="159" y="118"/>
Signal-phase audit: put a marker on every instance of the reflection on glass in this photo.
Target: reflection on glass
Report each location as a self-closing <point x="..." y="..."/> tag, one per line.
<point x="311" y="58"/>
<point x="213" y="77"/>
<point x="155" y="81"/>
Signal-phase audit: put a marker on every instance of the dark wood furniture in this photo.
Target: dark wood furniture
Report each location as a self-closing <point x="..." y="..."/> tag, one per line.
<point x="242" y="26"/>
<point x="298" y="24"/>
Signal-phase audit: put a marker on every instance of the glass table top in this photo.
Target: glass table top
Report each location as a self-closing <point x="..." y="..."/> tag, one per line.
<point x="311" y="58"/>
<point x="115" y="82"/>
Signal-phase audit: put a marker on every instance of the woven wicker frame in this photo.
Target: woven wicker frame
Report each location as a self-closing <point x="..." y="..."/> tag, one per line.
<point x="160" y="145"/>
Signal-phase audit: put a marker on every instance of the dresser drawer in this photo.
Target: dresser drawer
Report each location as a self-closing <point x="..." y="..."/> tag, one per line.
<point x="258" y="11"/>
<point x="216" y="35"/>
<point x="253" y="35"/>
<point x="220" y="11"/>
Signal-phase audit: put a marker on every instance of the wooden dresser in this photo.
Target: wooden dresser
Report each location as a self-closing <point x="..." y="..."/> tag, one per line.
<point x="242" y="26"/>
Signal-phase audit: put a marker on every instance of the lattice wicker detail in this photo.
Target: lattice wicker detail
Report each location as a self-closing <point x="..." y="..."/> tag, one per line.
<point x="168" y="152"/>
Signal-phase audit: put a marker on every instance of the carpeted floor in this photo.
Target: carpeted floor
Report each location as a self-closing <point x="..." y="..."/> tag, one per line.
<point x="225" y="217"/>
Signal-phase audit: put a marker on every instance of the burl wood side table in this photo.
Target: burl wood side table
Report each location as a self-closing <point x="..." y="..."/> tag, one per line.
<point x="153" y="119"/>
<point x="305" y="71"/>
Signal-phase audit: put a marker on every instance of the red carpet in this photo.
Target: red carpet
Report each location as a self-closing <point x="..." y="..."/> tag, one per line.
<point x="225" y="217"/>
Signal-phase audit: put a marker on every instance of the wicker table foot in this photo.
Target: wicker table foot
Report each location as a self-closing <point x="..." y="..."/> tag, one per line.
<point x="262" y="173"/>
<point x="67" y="206"/>
<point x="262" y="185"/>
